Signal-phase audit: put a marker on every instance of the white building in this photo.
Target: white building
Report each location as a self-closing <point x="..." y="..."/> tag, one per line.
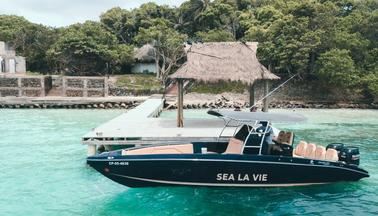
<point x="144" y="60"/>
<point x="9" y="62"/>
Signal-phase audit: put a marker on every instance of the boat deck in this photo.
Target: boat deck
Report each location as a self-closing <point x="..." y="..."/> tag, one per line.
<point x="140" y="126"/>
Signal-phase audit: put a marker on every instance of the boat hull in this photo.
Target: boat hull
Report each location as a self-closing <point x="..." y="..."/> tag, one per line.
<point x="221" y="170"/>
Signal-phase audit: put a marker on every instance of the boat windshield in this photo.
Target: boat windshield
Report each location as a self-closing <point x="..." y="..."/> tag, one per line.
<point x="255" y="136"/>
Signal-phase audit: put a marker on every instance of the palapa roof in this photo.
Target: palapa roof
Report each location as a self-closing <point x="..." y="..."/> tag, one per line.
<point x="229" y="61"/>
<point x="145" y="54"/>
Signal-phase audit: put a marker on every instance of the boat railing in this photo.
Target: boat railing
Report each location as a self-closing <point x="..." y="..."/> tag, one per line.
<point x="252" y="130"/>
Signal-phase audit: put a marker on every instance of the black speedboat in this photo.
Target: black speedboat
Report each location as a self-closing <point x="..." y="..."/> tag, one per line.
<point x="253" y="157"/>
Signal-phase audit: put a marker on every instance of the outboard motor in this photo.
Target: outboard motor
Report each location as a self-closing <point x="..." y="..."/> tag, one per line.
<point x="350" y="155"/>
<point x="337" y="146"/>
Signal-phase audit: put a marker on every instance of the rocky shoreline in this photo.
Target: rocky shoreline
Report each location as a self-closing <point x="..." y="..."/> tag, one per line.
<point x="108" y="105"/>
<point x="277" y="105"/>
<point x="235" y="101"/>
<point x="191" y="101"/>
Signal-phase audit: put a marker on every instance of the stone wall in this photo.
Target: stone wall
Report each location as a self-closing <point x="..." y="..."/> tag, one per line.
<point x="84" y="86"/>
<point x="22" y="86"/>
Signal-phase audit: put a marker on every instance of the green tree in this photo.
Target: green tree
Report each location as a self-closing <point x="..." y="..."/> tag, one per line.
<point x="146" y="15"/>
<point x="29" y="40"/>
<point x="216" y="35"/>
<point x="336" y="67"/>
<point x="168" y="43"/>
<point x="121" y="23"/>
<point x="88" y="49"/>
<point x="219" y="15"/>
<point x="189" y="14"/>
<point x="371" y="82"/>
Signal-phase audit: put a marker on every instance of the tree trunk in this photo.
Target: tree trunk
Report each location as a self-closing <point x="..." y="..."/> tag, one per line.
<point x="157" y="59"/>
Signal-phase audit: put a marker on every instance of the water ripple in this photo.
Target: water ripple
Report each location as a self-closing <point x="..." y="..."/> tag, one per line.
<point x="43" y="172"/>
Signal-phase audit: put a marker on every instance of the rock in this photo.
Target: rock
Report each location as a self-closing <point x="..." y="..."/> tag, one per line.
<point x="89" y="106"/>
<point x="102" y="106"/>
<point x="95" y="106"/>
<point x="109" y="105"/>
<point x="123" y="105"/>
<point x="225" y="99"/>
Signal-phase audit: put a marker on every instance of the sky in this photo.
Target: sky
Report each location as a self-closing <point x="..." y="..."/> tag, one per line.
<point x="58" y="13"/>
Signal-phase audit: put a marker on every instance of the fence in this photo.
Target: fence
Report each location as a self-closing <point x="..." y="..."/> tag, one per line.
<point x="22" y="86"/>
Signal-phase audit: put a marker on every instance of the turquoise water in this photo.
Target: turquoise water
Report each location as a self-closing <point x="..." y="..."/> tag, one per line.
<point x="43" y="171"/>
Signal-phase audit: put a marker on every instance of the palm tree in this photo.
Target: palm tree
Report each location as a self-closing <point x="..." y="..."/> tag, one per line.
<point x="191" y="10"/>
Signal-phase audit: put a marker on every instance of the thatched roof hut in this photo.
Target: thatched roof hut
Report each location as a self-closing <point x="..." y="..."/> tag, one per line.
<point x="145" y="54"/>
<point x="222" y="61"/>
<point x="229" y="61"/>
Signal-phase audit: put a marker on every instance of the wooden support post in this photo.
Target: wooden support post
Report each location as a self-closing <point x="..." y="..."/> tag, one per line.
<point x="180" y="105"/>
<point x="106" y="87"/>
<point x="252" y="94"/>
<point x="19" y="85"/>
<point x="43" y="86"/>
<point x="266" y="92"/>
<point x="92" y="150"/>
<point x="64" y="86"/>
<point x="85" y="87"/>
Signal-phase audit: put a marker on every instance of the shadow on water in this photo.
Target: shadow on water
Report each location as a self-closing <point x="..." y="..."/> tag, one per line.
<point x="231" y="201"/>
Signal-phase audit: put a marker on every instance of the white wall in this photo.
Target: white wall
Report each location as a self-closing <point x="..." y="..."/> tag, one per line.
<point x="143" y="68"/>
<point x="20" y="64"/>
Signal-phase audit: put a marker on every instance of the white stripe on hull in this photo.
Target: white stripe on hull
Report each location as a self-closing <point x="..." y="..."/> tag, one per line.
<point x="221" y="160"/>
<point x="216" y="184"/>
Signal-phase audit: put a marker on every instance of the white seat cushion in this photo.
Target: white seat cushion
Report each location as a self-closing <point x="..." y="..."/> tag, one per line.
<point x="331" y="155"/>
<point x="301" y="148"/>
<point x="310" y="151"/>
<point x="234" y="146"/>
<point x="320" y="153"/>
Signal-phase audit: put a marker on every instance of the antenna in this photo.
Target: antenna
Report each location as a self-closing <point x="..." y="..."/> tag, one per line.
<point x="271" y="92"/>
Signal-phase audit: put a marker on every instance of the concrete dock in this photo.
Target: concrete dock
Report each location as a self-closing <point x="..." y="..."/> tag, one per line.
<point x="141" y="126"/>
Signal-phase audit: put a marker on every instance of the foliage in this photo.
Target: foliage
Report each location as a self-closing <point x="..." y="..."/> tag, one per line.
<point x="88" y="48"/>
<point x="337" y="68"/>
<point x="216" y="35"/>
<point x="334" y="42"/>
<point x="371" y="81"/>
<point x="168" y="43"/>
<point x="120" y="23"/>
<point x="218" y="88"/>
<point x="29" y="39"/>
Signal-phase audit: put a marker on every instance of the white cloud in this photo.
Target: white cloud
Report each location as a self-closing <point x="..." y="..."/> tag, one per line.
<point x="65" y="12"/>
